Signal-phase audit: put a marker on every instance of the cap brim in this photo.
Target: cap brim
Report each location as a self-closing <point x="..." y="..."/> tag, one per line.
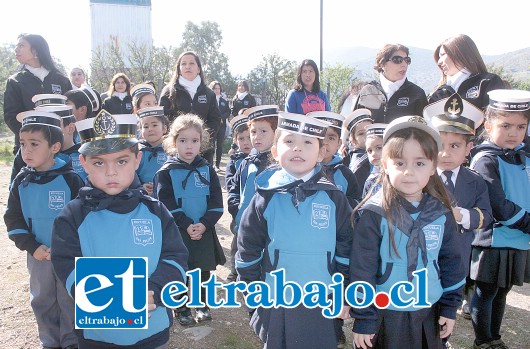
<point x="107" y="146"/>
<point x="389" y="131"/>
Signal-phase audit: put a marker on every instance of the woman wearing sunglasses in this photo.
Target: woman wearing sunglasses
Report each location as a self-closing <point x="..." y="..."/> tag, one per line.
<point x="392" y="95"/>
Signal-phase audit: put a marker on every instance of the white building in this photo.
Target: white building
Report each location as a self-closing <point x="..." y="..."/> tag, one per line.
<point x="125" y="22"/>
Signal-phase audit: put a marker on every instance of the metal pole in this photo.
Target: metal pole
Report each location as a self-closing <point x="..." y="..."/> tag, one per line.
<point x="321" y="36"/>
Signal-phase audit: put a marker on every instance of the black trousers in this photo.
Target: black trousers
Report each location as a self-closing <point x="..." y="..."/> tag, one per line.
<point x="487" y="311"/>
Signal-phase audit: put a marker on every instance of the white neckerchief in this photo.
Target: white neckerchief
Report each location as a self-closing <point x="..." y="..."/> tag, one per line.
<point x="39" y="72"/>
<point x="390" y="87"/>
<point x="456" y="80"/>
<point x="120" y="95"/>
<point x="190" y="86"/>
<point x="242" y="95"/>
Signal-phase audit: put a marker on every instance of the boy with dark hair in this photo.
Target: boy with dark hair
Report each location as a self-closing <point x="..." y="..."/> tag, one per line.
<point x="241" y="137"/>
<point x="101" y="217"/>
<point x="37" y="195"/>
<point x="456" y="120"/>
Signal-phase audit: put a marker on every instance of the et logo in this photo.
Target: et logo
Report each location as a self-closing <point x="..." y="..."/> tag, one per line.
<point x="110" y="293"/>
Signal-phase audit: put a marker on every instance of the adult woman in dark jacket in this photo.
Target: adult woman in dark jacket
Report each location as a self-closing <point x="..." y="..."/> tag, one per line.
<point x="224" y="108"/>
<point x="393" y="95"/>
<point x="36" y="75"/>
<point x="463" y="70"/>
<point x="186" y="92"/>
<point x="243" y="98"/>
<point x="119" y="100"/>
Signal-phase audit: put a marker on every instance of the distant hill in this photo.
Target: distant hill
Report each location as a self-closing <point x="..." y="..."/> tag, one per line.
<point x="423" y="70"/>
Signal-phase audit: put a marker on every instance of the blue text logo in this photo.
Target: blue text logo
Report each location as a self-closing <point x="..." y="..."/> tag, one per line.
<point x="110" y="293"/>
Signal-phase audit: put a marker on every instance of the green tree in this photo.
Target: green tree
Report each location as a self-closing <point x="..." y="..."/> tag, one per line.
<point x="274" y="77"/>
<point x="8" y="67"/>
<point x="338" y="77"/>
<point x="206" y="40"/>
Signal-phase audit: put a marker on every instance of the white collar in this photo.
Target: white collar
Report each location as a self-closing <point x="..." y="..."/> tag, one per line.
<point x="39" y="72"/>
<point x="242" y="95"/>
<point x="456" y="80"/>
<point x="453" y="177"/>
<point x="190" y="86"/>
<point x="390" y="87"/>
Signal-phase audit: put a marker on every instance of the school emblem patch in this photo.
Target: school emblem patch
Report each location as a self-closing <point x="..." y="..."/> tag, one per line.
<point x="56" y="199"/>
<point x="320" y="215"/>
<point x="198" y="182"/>
<point x="403" y="102"/>
<point x="433" y="234"/>
<point x="161" y="158"/>
<point x="202" y="99"/>
<point x="57" y="89"/>
<point x="143" y="232"/>
<point x="473" y="92"/>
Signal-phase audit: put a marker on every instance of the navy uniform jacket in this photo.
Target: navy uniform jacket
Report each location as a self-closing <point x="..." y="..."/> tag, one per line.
<point x="409" y="99"/>
<point x="471" y="193"/>
<point x="237" y="104"/>
<point x="192" y="194"/>
<point x="474" y="89"/>
<point x="240" y="194"/>
<point x="360" y="166"/>
<point x="231" y="168"/>
<point x="115" y="105"/>
<point x="343" y="178"/>
<point x="434" y="244"/>
<point x="20" y="89"/>
<point x="204" y="104"/>
<point x="152" y="160"/>
<point x="506" y="173"/>
<point x="35" y="199"/>
<point x="305" y="228"/>
<point x="99" y="225"/>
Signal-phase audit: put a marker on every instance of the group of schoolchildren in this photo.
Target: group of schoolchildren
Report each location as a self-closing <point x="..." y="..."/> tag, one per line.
<point x="400" y="200"/>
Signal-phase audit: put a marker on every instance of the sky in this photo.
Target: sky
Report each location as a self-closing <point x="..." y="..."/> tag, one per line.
<point x="289" y="28"/>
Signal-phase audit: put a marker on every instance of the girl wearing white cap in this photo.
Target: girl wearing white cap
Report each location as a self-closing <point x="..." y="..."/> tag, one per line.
<point x="500" y="257"/>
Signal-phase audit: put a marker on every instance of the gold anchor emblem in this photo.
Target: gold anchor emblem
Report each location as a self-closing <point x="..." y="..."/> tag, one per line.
<point x="453" y="107"/>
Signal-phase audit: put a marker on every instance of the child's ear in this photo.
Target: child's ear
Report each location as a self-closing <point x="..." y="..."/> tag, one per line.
<point x="84" y="110"/>
<point x="469" y="145"/>
<point x="138" y="159"/>
<point x="56" y="147"/>
<point x="487" y="126"/>
<point x="274" y="152"/>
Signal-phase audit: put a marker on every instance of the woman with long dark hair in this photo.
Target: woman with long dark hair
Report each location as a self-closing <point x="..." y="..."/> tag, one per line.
<point x="187" y="92"/>
<point x="306" y="95"/>
<point x="37" y="74"/>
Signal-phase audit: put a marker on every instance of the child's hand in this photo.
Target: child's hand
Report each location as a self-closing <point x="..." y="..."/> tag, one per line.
<point x="199" y="227"/>
<point x="192" y="232"/>
<point x="343" y="150"/>
<point x="363" y="341"/>
<point x="446" y="326"/>
<point x="345" y="313"/>
<point x="150" y="302"/>
<point x="457" y="214"/>
<point x="42" y="252"/>
<point x="148" y="188"/>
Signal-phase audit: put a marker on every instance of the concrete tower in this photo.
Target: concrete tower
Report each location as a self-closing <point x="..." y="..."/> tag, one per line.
<point x="122" y="21"/>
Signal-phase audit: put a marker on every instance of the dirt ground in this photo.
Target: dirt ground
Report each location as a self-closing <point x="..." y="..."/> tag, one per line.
<point x="229" y="328"/>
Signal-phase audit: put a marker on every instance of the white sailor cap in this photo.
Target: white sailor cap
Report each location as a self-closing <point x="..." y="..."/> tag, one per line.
<point x="93" y="96"/>
<point x="140" y="89"/>
<point x="151" y="111"/>
<point x="377" y="129"/>
<point x="336" y="120"/>
<point x="107" y="133"/>
<point x="261" y="111"/>
<point x="48" y="99"/>
<point x="37" y="117"/>
<point x="356" y="117"/>
<point x="411" y="121"/>
<point x="509" y="100"/>
<point x="64" y="111"/>
<point x="454" y="114"/>
<point x="238" y="121"/>
<point x="302" y="124"/>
